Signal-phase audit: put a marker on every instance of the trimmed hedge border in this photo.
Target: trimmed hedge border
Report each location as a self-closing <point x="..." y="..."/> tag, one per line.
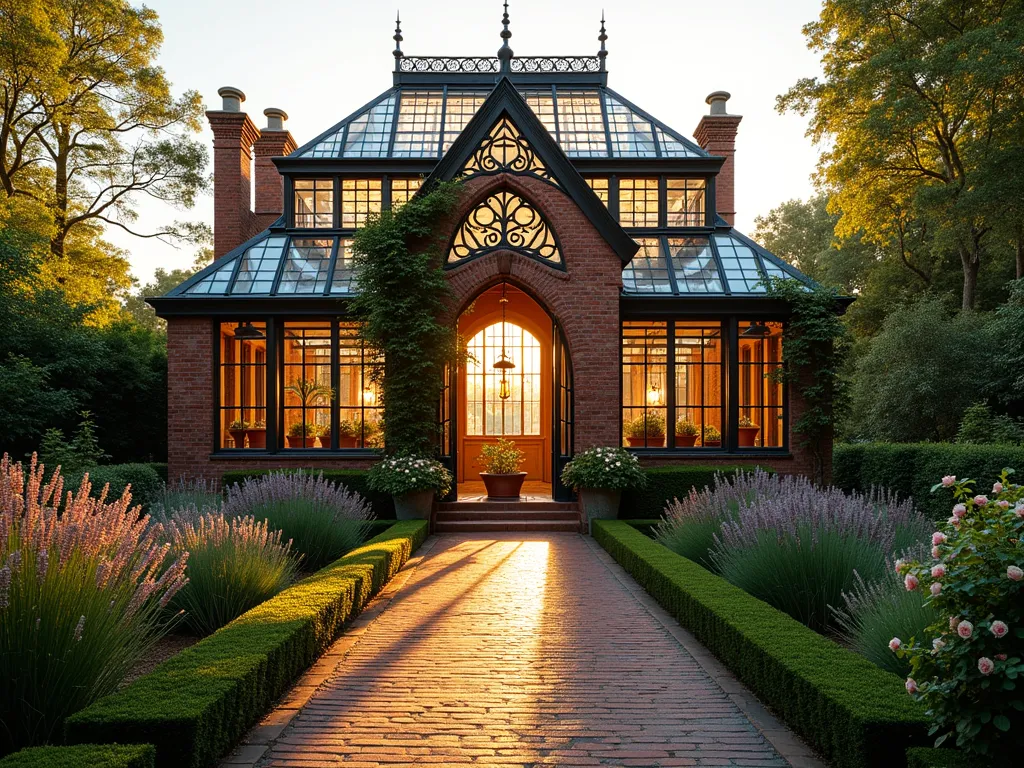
<point x="383" y="504"/>
<point x="197" y="705"/>
<point x="851" y="711"/>
<point x="928" y="757"/>
<point x="646" y="526"/>
<point x="84" y="756"/>
<point x="667" y="483"/>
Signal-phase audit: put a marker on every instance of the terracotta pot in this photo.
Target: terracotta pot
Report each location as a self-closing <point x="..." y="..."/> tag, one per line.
<point x="651" y="441"/>
<point x="257" y="438"/>
<point x="686" y="441"/>
<point x="238" y="435"/>
<point x="348" y="441"/>
<point x="748" y="436"/>
<point x="301" y="442"/>
<point x="414" y="506"/>
<point x="503" y="486"/>
<point x="325" y="439"/>
<point x="713" y="443"/>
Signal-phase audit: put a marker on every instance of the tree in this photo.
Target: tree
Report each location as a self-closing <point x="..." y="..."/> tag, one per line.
<point x="919" y="107"/>
<point x="163" y="281"/>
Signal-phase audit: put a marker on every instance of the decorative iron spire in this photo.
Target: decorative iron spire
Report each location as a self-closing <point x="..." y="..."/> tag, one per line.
<point x="398" y="42"/>
<point x="505" y="52"/>
<point x="603" y="53"/>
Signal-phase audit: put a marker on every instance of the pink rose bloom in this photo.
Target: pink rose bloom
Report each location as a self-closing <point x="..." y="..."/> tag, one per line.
<point x="986" y="666"/>
<point x="938" y="537"/>
<point x="895" y="643"/>
<point x="938" y="571"/>
<point x="1003" y="504"/>
<point x="910" y="582"/>
<point x="1013" y="573"/>
<point x="935" y="588"/>
<point x="935" y="553"/>
<point x="999" y="628"/>
<point x="1019" y="509"/>
<point x="954" y="521"/>
<point x="898" y="565"/>
<point x="959" y="510"/>
<point x="997" y="488"/>
<point x="965" y="629"/>
<point x="1000" y="657"/>
<point x="911" y="685"/>
<point x="948" y="480"/>
<point x="980" y="500"/>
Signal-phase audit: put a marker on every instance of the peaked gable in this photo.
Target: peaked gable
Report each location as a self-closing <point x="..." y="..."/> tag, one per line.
<point x="505" y="136"/>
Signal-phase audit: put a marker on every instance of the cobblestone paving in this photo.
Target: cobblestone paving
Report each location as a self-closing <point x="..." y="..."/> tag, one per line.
<point x="517" y="651"/>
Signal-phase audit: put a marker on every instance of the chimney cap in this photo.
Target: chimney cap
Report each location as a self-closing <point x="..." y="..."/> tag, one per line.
<point x="717" y="101"/>
<point x="232" y="98"/>
<point x="275" y="118"/>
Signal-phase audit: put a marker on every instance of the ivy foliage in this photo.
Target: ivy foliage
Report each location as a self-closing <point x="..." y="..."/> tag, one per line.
<point x="815" y="345"/>
<point x="401" y="300"/>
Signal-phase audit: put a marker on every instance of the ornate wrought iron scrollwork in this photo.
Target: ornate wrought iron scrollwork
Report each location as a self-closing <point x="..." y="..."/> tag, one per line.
<point x="556" y="64"/>
<point x="485" y="64"/>
<point x="505" y="220"/>
<point x="506" y="150"/>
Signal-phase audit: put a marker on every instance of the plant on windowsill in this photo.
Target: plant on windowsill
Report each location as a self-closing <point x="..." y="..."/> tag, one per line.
<point x="646" y="431"/>
<point x="748" y="432"/>
<point x="257" y="435"/>
<point x="501" y="475"/>
<point x="600" y="475"/>
<point x="348" y="433"/>
<point x="712" y="437"/>
<point x="302" y="435"/>
<point x="237" y="431"/>
<point x="412" y="481"/>
<point x="686" y="433"/>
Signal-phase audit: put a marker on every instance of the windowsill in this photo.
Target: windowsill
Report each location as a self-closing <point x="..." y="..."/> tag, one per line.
<point x="298" y="453"/>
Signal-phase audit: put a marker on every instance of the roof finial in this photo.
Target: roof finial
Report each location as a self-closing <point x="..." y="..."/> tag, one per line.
<point x="603" y="53"/>
<point x="398" y="41"/>
<point x="505" y="52"/>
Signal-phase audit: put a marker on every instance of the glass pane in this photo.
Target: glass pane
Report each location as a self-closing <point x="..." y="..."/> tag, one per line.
<point x="305" y="269"/>
<point x="369" y="134"/>
<point x="344" y="268"/>
<point x="740" y="265"/>
<point x="419" y="124"/>
<point x="694" y="265"/>
<point x="685" y="202"/>
<point x="359" y="198"/>
<point x="314" y="203"/>
<point x="259" y="266"/>
<point x="600" y="186"/>
<point x="632" y="135"/>
<point x="699" y="384"/>
<point x="543" y="105"/>
<point x="306" y="384"/>
<point x="647" y="272"/>
<point x="216" y="282"/>
<point x="243" y="385"/>
<point x="459" y="110"/>
<point x="519" y="411"/>
<point x="638" y="202"/>
<point x="761" y="405"/>
<point x="644" y="370"/>
<point x="402" y="191"/>
<point x="672" y="147"/>
<point x="358" y="394"/>
<point x="581" y="124"/>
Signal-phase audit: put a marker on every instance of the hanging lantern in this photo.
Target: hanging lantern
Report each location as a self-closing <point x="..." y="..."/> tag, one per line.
<point x="504" y="391"/>
<point x="654" y="394"/>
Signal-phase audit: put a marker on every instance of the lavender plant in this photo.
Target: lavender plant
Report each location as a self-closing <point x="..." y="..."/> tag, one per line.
<point x="322" y="519"/>
<point x="83" y="584"/>
<point x="234" y="565"/>
<point x="197" y="493"/>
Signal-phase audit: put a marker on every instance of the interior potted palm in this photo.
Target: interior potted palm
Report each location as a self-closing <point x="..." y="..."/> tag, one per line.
<point x="600" y="475"/>
<point x="748" y="432"/>
<point x="257" y="434"/>
<point x="686" y="433"/>
<point x="712" y="437"/>
<point x="501" y="475"/>
<point x="302" y="434"/>
<point x="413" y="481"/>
<point x="237" y="430"/>
<point x="645" y="431"/>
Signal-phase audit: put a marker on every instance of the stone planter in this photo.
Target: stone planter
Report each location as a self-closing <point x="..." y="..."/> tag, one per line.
<point x="748" y="436"/>
<point x="257" y="438"/>
<point x="503" y="487"/>
<point x="686" y="441"/>
<point x="600" y="504"/>
<point x="414" y="506"/>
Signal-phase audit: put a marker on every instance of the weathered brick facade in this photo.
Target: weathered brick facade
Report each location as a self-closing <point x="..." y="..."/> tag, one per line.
<point x="234" y="221"/>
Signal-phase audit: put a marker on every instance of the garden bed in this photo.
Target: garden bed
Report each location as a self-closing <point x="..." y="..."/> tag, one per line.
<point x="84" y="756"/>
<point x="853" y="713"/>
<point x="197" y="705"/>
<point x="667" y="483"/>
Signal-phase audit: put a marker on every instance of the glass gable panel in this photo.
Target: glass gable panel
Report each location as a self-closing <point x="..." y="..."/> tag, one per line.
<point x="685" y="202"/>
<point x="344" y="269"/>
<point x="314" y="203"/>
<point x="648" y="271"/>
<point x="740" y="265"/>
<point x="369" y="134"/>
<point x="215" y="283"/>
<point x="543" y="106"/>
<point x="259" y="266"/>
<point x="581" y="124"/>
<point x="458" y="111"/>
<point x="694" y="265"/>
<point x="672" y="147"/>
<point x="638" y="202"/>
<point x="632" y="135"/>
<point x="419" y="124"/>
<point x="305" y="269"/>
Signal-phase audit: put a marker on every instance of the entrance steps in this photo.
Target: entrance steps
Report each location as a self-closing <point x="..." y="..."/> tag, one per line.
<point x="481" y="516"/>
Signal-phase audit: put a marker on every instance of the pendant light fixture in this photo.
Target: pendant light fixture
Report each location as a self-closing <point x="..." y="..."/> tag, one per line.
<point x="504" y="362"/>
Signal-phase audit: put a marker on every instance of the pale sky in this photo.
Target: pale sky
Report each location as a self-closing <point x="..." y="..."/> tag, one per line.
<point x="320" y="60"/>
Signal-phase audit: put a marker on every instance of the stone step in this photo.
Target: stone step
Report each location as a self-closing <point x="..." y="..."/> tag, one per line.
<point x="475" y="513"/>
<point x="526" y="526"/>
<point x="508" y="506"/>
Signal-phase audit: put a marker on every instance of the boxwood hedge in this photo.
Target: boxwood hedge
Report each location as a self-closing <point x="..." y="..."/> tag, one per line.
<point x="353" y="479"/>
<point x="927" y="757"/>
<point x="198" y="704"/>
<point x="84" y="756"/>
<point x="851" y="711"/>
<point x="667" y="483"/>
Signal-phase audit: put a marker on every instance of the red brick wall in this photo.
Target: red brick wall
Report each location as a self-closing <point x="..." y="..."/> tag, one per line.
<point x="234" y="221"/>
<point x="717" y="134"/>
<point x="269" y="182"/>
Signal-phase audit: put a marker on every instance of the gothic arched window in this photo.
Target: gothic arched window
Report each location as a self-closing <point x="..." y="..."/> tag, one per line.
<point x="504" y="220"/>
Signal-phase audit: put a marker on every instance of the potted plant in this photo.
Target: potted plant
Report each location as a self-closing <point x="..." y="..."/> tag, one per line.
<point x="647" y="430"/>
<point x="348" y="431"/>
<point x="600" y="475"/>
<point x="371" y="434"/>
<point x="412" y="481"/>
<point x="257" y="434"/>
<point x="501" y="474"/>
<point x="302" y="435"/>
<point x="748" y="432"/>
<point x="712" y="437"/>
<point x="323" y="432"/>
<point x="686" y="433"/>
<point x="237" y="431"/>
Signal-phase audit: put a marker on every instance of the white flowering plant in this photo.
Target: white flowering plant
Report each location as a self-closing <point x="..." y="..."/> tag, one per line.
<point x="399" y="475"/>
<point x="613" y="469"/>
<point x="969" y="668"/>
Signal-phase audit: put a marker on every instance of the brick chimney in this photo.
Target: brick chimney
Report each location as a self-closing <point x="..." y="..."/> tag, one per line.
<point x="716" y="133"/>
<point x="274" y="141"/>
<point x="233" y="137"/>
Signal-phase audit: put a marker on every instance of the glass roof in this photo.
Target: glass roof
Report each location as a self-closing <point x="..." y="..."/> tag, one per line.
<point x="420" y="122"/>
<point x="727" y="263"/>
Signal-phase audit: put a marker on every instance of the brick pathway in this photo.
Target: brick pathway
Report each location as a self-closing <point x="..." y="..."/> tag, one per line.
<point x="512" y="651"/>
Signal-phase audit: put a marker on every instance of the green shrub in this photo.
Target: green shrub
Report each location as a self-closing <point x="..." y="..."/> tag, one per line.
<point x="84" y="756"/>
<point x="356" y="480"/>
<point x="146" y="485"/>
<point x="855" y="714"/>
<point x="980" y="426"/>
<point x="160" y="468"/>
<point x="667" y="483"/>
<point x="195" y="706"/>
<point x="929" y="757"/>
<point x="910" y="469"/>
<point x="399" y="475"/>
<point x="614" y="469"/>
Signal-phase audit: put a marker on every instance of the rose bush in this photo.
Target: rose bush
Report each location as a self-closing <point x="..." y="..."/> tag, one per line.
<point x="969" y="668"/>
